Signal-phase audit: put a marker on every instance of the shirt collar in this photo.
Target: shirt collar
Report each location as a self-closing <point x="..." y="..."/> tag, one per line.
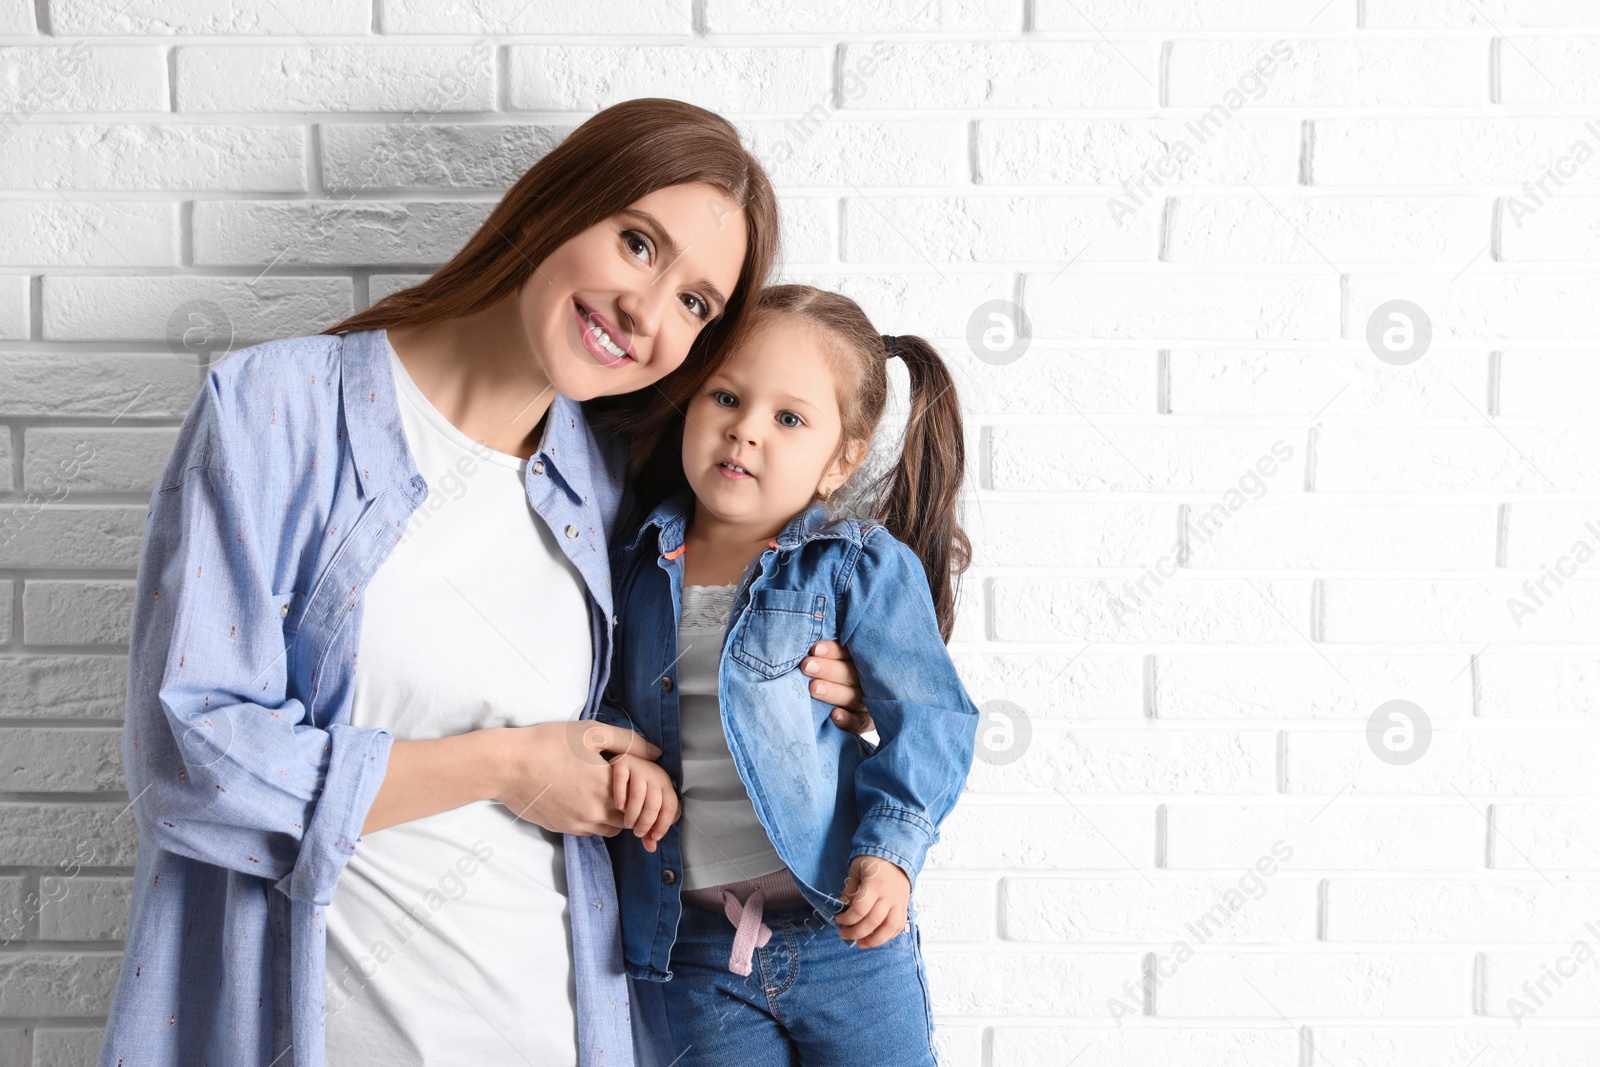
<point x="671" y="517"/>
<point x="377" y="436"/>
<point x="372" y="413"/>
<point x="568" y="448"/>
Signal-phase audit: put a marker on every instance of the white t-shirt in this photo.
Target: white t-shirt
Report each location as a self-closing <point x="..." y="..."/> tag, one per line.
<point x="448" y="936"/>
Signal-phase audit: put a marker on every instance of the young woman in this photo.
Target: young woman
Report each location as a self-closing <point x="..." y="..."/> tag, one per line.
<point x="442" y="435"/>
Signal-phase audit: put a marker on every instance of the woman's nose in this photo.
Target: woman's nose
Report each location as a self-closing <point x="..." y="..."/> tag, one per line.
<point x="644" y="309"/>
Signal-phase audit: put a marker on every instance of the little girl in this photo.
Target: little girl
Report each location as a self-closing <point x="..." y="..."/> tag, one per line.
<point x="798" y="842"/>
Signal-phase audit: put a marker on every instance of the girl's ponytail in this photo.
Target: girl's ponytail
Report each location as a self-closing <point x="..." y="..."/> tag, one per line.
<point x="924" y="491"/>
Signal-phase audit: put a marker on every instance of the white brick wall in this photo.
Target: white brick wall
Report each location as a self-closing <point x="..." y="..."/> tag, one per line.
<point x="1214" y="532"/>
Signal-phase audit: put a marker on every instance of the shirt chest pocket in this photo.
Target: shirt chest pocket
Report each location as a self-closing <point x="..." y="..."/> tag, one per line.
<point x="778" y="629"/>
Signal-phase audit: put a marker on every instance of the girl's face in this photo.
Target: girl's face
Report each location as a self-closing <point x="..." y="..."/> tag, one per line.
<point x="649" y="277"/>
<point x="773" y="410"/>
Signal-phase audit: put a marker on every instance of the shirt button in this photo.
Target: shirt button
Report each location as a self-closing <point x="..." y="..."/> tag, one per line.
<point x="283" y="612"/>
<point x="669" y="876"/>
<point x="666" y="685"/>
<point x="613" y="620"/>
<point x="538" y="466"/>
<point x="572" y="531"/>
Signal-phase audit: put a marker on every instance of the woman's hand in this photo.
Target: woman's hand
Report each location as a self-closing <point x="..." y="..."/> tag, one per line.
<point x="834" y="680"/>
<point x="554" y="774"/>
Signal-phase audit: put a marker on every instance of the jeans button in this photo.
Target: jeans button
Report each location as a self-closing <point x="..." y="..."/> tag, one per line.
<point x="666" y="685"/>
<point x="669" y="876"/>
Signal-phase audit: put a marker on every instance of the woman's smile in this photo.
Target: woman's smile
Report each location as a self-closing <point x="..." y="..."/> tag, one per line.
<point x="602" y="338"/>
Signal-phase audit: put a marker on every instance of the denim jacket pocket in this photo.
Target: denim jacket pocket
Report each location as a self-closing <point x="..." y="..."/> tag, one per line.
<point x="778" y="629"/>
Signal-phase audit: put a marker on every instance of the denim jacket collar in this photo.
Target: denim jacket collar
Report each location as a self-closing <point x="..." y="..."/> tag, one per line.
<point x="377" y="436"/>
<point x="671" y="516"/>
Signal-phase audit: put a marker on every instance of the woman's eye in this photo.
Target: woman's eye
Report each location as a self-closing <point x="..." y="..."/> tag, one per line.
<point x="636" y="241"/>
<point x="798" y="421"/>
<point x="704" y="311"/>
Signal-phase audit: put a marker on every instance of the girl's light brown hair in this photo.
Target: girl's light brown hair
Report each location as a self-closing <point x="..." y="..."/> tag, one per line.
<point x="617" y="156"/>
<point x="917" y="499"/>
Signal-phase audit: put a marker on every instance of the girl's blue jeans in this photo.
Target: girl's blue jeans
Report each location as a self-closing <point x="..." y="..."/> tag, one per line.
<point x="811" y="999"/>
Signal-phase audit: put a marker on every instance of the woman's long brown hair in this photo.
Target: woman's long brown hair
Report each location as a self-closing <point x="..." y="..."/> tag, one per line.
<point x="918" y="499"/>
<point x="619" y="155"/>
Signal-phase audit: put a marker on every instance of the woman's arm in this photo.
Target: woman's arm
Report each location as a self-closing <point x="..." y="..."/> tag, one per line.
<point x="427" y="777"/>
<point x="552" y="774"/>
<point x="223" y="764"/>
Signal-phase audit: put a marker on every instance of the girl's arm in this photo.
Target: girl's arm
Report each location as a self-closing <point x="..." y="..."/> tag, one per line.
<point x="926" y="721"/>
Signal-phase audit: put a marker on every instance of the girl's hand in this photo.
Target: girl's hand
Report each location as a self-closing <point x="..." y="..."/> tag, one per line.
<point x="553" y="774"/>
<point x="834" y="680"/>
<point x="644" y="793"/>
<point x="878" y="894"/>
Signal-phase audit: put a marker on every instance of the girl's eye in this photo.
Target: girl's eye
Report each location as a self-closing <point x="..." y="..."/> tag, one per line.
<point x="718" y="394"/>
<point x="798" y="421"/>
<point x="705" y="309"/>
<point x="635" y="241"/>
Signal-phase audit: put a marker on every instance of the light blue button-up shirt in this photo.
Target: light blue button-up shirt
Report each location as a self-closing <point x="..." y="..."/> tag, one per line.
<point x="288" y="486"/>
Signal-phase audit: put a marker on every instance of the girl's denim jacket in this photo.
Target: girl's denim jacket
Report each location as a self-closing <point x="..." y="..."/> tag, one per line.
<point x="824" y="795"/>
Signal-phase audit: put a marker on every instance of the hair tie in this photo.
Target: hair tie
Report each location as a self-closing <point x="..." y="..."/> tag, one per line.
<point x="891" y="346"/>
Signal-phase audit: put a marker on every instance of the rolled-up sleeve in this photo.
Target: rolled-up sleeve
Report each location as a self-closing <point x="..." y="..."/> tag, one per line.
<point x="926" y="721"/>
<point x="222" y="762"/>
